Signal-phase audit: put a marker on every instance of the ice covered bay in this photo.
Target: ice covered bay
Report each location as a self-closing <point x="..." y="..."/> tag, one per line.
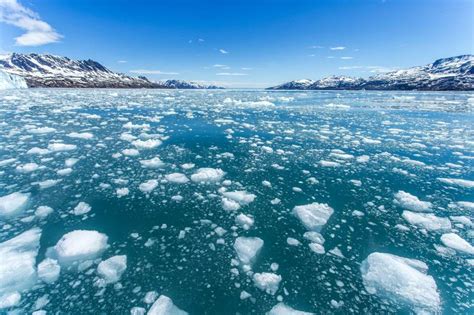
<point x="224" y="202"/>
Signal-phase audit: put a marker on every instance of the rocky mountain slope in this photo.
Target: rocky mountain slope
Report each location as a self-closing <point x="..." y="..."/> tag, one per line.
<point x="42" y="70"/>
<point x="455" y="73"/>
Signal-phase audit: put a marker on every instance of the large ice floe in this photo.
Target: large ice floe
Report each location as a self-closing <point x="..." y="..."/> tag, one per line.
<point x="207" y="175"/>
<point x="401" y="280"/>
<point x="314" y="215"/>
<point x="77" y="246"/>
<point x="111" y="269"/>
<point x="18" y="266"/>
<point x="13" y="203"/>
<point x="456" y="242"/>
<point x="164" y="306"/>
<point x="410" y="202"/>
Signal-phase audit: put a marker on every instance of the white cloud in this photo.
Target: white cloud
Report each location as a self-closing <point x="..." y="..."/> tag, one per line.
<point x="223" y="51"/>
<point x="246" y="69"/>
<point x="316" y="47"/>
<point x="122" y="61"/>
<point x="338" y="48"/>
<point x="37" y="31"/>
<point x="231" y="73"/>
<point x="146" y="71"/>
<point x="221" y="66"/>
<point x="346" y="58"/>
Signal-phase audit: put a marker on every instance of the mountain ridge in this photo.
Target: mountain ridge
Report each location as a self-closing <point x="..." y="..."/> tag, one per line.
<point x="445" y="74"/>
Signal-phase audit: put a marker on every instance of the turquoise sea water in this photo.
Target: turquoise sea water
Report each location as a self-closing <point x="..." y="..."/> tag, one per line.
<point x="350" y="150"/>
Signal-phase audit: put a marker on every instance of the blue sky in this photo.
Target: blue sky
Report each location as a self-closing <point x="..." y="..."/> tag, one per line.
<point x="241" y="43"/>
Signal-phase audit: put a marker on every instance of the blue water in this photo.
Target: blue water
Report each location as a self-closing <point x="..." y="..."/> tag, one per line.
<point x="411" y="139"/>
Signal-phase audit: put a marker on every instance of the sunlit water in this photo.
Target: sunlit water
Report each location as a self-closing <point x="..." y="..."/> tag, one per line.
<point x="350" y="150"/>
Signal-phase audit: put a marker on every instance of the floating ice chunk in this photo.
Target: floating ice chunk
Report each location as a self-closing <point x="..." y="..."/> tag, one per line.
<point x="177" y="178"/>
<point x="363" y="159"/>
<point x="38" y="151"/>
<point x="7" y="161"/>
<point x="41" y="130"/>
<point x="146" y="144"/>
<point x="27" y="168"/>
<point x="13" y="203"/>
<point x="410" y="202"/>
<point x="10" y="299"/>
<point x="314" y="237"/>
<point x="244" y="221"/>
<point x="401" y="280"/>
<point x="148" y="186"/>
<point x="48" y="270"/>
<point x="150" y="297"/>
<point x="78" y="245"/>
<point x="81" y="208"/>
<point x="43" y="211"/>
<point x="111" y="269"/>
<point x="247" y="248"/>
<point x="317" y="248"/>
<point x="283" y="309"/>
<point x="292" y="241"/>
<point x="18" y="260"/>
<point x="324" y="163"/>
<point x="122" y="192"/>
<point x="230" y="205"/>
<point x="70" y="162"/>
<point x="57" y="147"/>
<point x="48" y="183"/>
<point x="130" y="152"/>
<point x="267" y="281"/>
<point x="164" y="306"/>
<point x="457" y="243"/>
<point x="207" y="175"/>
<point x="187" y="166"/>
<point x="137" y="311"/>
<point x="313" y="216"/>
<point x="467" y="205"/>
<point x="64" y="171"/>
<point x="242" y="197"/>
<point x="461" y="219"/>
<point x="427" y="221"/>
<point x="458" y="182"/>
<point x="152" y="163"/>
<point x="82" y="135"/>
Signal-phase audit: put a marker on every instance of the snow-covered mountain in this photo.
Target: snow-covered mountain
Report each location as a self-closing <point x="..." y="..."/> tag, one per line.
<point x="43" y="70"/>
<point x="180" y="84"/>
<point x="455" y="73"/>
<point x="11" y="81"/>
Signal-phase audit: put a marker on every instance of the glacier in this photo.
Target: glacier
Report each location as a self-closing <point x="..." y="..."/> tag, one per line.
<point x="11" y="81"/>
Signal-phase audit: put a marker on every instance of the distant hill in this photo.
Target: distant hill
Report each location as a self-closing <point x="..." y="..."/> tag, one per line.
<point x="43" y="70"/>
<point x="448" y="74"/>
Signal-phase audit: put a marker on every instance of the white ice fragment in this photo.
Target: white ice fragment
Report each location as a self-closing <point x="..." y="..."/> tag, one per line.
<point x="130" y="152"/>
<point x="48" y="270"/>
<point x="164" y="306"/>
<point x="457" y="243"/>
<point x="242" y="197"/>
<point x="267" y="281"/>
<point x="401" y="280"/>
<point x="122" y="192"/>
<point x="27" y="168"/>
<point x="247" y="248"/>
<point x="13" y="203"/>
<point x="458" y="182"/>
<point x="427" y="221"/>
<point x="81" y="208"/>
<point x="78" y="245"/>
<point x="81" y="135"/>
<point x="177" y="178"/>
<point x="410" y="202"/>
<point x="207" y="175"/>
<point x="230" y="205"/>
<point x="283" y="309"/>
<point x="244" y="221"/>
<point x="9" y="299"/>
<point x="43" y="211"/>
<point x="111" y="269"/>
<point x="146" y="144"/>
<point x="58" y="147"/>
<point x="152" y="163"/>
<point x="148" y="186"/>
<point x="313" y="216"/>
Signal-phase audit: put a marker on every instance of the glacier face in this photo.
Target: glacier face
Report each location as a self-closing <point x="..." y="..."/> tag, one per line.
<point x="11" y="81"/>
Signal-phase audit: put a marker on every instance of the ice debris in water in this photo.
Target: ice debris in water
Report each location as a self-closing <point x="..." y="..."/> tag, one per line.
<point x="18" y="265"/>
<point x="427" y="221"/>
<point x="164" y="306"/>
<point x="283" y="309"/>
<point x="267" y="281"/>
<point x="456" y="242"/>
<point x="82" y="208"/>
<point x="177" y="178"/>
<point x="207" y="175"/>
<point x="13" y="203"/>
<point x="313" y="216"/>
<point x="247" y="248"/>
<point x="410" y="202"/>
<point x="402" y="280"/>
<point x="155" y="162"/>
<point x="458" y="182"/>
<point x="111" y="269"/>
<point x="241" y="197"/>
<point x="48" y="270"/>
<point x="78" y="245"/>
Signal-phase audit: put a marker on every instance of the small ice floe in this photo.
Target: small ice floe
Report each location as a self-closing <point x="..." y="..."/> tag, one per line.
<point x="466" y="205"/>
<point x="247" y="248"/>
<point x="13" y="203"/>
<point x="41" y="130"/>
<point x="49" y="270"/>
<point x="130" y="152"/>
<point x="148" y="186"/>
<point x="456" y="242"/>
<point x="58" y="147"/>
<point x="121" y="192"/>
<point x="111" y="269"/>
<point x="283" y="309"/>
<point x="177" y="178"/>
<point x="155" y="162"/>
<point x="164" y="306"/>
<point x="27" y="168"/>
<point x="324" y="163"/>
<point x="401" y="280"/>
<point x="267" y="281"/>
<point x="207" y="175"/>
<point x="18" y="266"/>
<point x="81" y="135"/>
<point x="427" y="221"/>
<point x="48" y="183"/>
<point x="43" y="211"/>
<point x="241" y="197"/>
<point x="77" y="246"/>
<point x="230" y="205"/>
<point x="38" y="151"/>
<point x="146" y="144"/>
<point x="458" y="182"/>
<point x="314" y="215"/>
<point x="81" y="208"/>
<point x="244" y="221"/>
<point x="408" y="201"/>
